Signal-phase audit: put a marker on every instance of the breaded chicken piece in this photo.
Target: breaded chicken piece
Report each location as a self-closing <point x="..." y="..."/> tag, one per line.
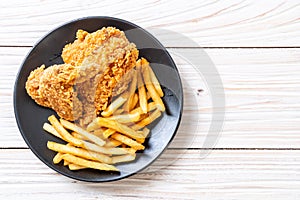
<point x="55" y="90"/>
<point x="94" y="71"/>
<point x="33" y="85"/>
<point x="103" y="58"/>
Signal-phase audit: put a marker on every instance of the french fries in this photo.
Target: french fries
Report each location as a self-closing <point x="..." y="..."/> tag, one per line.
<point x="63" y="132"/>
<point x="82" y="132"/>
<point x="128" y="141"/>
<point x="126" y="118"/>
<point x="105" y="122"/>
<point x="114" y="106"/>
<point x="131" y="92"/>
<point x="142" y="92"/>
<point x="149" y="85"/>
<point x="87" y="163"/>
<point x="116" y="135"/>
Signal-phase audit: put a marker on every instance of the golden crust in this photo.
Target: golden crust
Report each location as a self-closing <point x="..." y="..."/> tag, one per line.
<point x="95" y="69"/>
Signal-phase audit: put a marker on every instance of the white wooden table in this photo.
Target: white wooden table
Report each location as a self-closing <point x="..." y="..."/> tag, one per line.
<point x="255" y="46"/>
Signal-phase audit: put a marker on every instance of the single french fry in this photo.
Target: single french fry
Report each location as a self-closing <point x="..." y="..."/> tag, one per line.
<point x="123" y="158"/>
<point x="152" y="91"/>
<point x="77" y="135"/>
<point x="148" y="96"/>
<point x="151" y="106"/>
<point x="131" y="91"/>
<point x="63" y="132"/>
<point x="89" y="164"/>
<point x="114" y="106"/>
<point x="78" y="152"/>
<point x="93" y="125"/>
<point x="142" y="91"/>
<point x="108" y="132"/>
<point x="99" y="133"/>
<point x="134" y="102"/>
<point x="112" y="143"/>
<point x="148" y="120"/>
<point x="82" y="132"/>
<point x="75" y="167"/>
<point x="50" y="129"/>
<point x="153" y="78"/>
<point x="57" y="158"/>
<point x="128" y="141"/>
<point x="130" y="150"/>
<point x="145" y="133"/>
<point x="104" y="150"/>
<point x="66" y="163"/>
<point x="118" y="127"/>
<point x="126" y="118"/>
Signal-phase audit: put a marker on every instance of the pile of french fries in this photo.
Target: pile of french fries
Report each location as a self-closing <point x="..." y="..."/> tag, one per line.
<point x="118" y="133"/>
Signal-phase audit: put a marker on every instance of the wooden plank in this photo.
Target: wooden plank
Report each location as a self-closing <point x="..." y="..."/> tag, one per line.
<point x="178" y="174"/>
<point x="228" y="23"/>
<point x="262" y="98"/>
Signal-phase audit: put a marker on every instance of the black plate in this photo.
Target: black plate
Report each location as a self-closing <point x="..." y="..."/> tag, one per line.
<point x="30" y="116"/>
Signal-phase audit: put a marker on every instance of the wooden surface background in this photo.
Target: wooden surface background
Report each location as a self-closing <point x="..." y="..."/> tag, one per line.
<point x="255" y="46"/>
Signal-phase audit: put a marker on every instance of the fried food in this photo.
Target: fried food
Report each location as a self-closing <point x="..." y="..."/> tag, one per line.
<point x="53" y="87"/>
<point x="97" y="68"/>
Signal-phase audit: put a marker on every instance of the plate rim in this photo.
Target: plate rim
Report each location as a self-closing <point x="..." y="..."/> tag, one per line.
<point x="180" y="99"/>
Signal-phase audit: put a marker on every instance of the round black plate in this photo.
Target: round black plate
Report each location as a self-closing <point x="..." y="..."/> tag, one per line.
<point x="30" y="116"/>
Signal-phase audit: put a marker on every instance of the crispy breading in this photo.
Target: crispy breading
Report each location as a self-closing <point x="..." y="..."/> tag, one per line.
<point x="33" y="85"/>
<point x="55" y="89"/>
<point x="95" y="70"/>
<point x="103" y="57"/>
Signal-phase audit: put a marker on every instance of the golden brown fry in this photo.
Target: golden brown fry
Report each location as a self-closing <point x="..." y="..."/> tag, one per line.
<point x="66" y="163"/>
<point x="152" y="91"/>
<point x="112" y="143"/>
<point x="93" y="125"/>
<point x="126" y="118"/>
<point x="151" y="106"/>
<point x="63" y="132"/>
<point x="78" y="152"/>
<point x="77" y="135"/>
<point x="50" y="129"/>
<point x="75" y="167"/>
<point x="154" y="80"/>
<point x="145" y="133"/>
<point x="57" y="158"/>
<point x="128" y="141"/>
<point x="119" y="127"/>
<point x="108" y="132"/>
<point x="99" y="133"/>
<point x="142" y="91"/>
<point x="89" y="164"/>
<point x="104" y="150"/>
<point x="123" y="158"/>
<point x="114" y="106"/>
<point x="134" y="101"/>
<point x="131" y="91"/>
<point x="84" y="133"/>
<point x="153" y="116"/>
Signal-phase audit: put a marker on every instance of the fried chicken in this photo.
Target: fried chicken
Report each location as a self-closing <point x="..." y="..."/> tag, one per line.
<point x="103" y="57"/>
<point x="95" y="70"/>
<point x="53" y="87"/>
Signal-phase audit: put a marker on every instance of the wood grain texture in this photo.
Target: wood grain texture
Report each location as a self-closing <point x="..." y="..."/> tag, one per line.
<point x="231" y="23"/>
<point x="261" y="87"/>
<point x="176" y="175"/>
